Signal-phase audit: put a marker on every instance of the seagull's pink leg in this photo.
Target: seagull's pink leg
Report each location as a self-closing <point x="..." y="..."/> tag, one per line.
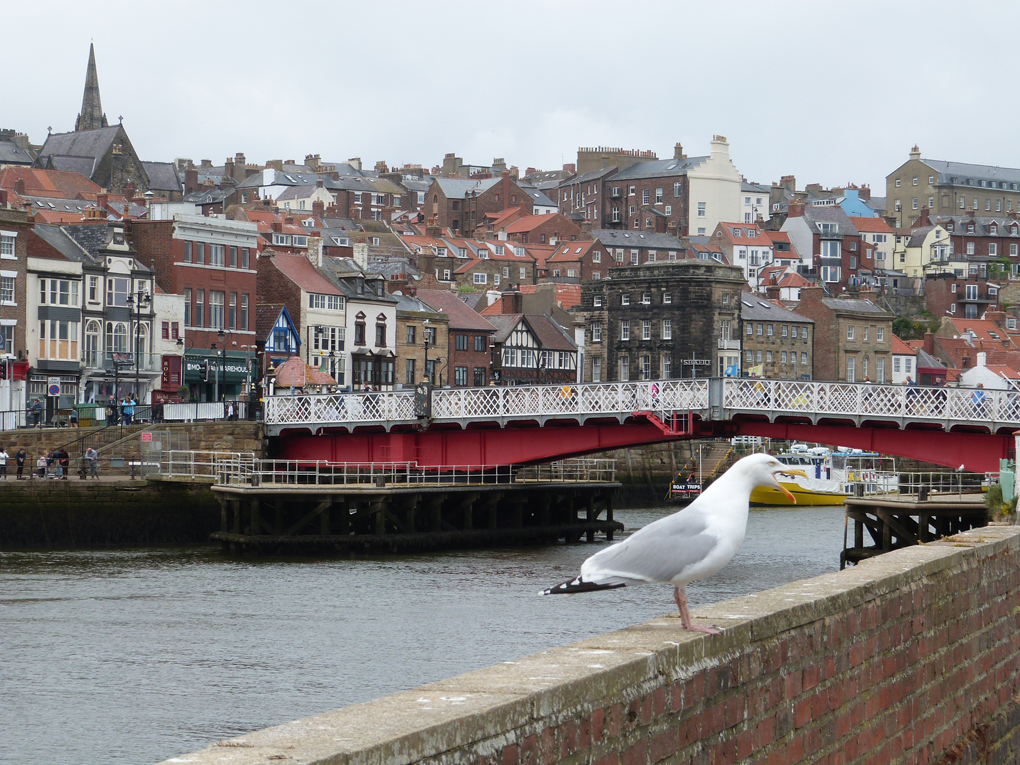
<point x="680" y="596"/>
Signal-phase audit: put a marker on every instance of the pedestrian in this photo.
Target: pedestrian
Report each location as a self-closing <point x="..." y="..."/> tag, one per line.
<point x="51" y="465"/>
<point x="979" y="401"/>
<point x="230" y="412"/>
<point x="65" y="462"/>
<point x="20" y="458"/>
<point x="73" y="418"/>
<point x="40" y="465"/>
<point x="129" y="410"/>
<point x="37" y="410"/>
<point x="3" y="463"/>
<point x="92" y="457"/>
<point x="111" y="411"/>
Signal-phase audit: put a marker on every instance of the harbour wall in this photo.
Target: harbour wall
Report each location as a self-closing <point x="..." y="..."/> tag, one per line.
<point x="910" y="657"/>
<point x="74" y="513"/>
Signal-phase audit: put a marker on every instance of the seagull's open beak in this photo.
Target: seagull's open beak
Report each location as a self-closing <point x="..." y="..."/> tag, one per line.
<point x="790" y="472"/>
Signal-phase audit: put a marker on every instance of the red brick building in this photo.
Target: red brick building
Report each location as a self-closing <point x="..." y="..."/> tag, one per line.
<point x="575" y="262"/>
<point x="461" y="205"/>
<point x="542" y="229"/>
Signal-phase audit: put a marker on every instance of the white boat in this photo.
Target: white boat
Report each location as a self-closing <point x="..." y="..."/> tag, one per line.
<point x="831" y="476"/>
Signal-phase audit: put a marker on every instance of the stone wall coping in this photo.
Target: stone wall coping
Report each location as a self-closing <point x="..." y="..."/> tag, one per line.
<point x="484" y="707"/>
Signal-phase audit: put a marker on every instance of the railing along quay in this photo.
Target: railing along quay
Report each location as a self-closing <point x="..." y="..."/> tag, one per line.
<point x="243" y="469"/>
<point x="710" y="398"/>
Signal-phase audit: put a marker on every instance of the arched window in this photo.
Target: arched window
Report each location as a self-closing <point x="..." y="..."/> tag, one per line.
<point x="141" y="339"/>
<point x="93" y="344"/>
<point x="380" y="331"/>
<point x="116" y="337"/>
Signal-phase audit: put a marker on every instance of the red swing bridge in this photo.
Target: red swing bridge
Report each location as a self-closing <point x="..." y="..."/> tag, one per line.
<point x="529" y="425"/>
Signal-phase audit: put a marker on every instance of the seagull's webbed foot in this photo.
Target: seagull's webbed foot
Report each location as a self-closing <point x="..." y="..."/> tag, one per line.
<point x="680" y="596"/>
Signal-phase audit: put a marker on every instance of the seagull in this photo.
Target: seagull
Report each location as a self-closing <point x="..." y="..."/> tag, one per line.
<point x="693" y="543"/>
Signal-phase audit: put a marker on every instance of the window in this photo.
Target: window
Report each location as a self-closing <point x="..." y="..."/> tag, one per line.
<point x="479" y="380"/>
<point x="658" y="196"/>
<point x="644" y="196"/>
<point x="58" y="292"/>
<point x="768" y="356"/>
<point x="701" y="209"/>
<point x="187" y="307"/>
<point x="624" y="299"/>
<point x="667" y="367"/>
<point x="244" y="257"/>
<point x="596" y="370"/>
<point x="786" y="330"/>
<point x="757" y="355"/>
<point x="667" y="298"/>
<point x="768" y="330"/>
<point x="481" y="278"/>
<point x="480" y="344"/>
<point x="803" y="357"/>
<point x="59" y="339"/>
<point x="232" y="311"/>
<point x="460" y="376"/>
<point x="325" y="302"/>
<point x="200" y="252"/>
<point x="851" y="369"/>
<point x="596" y="301"/>
<point x="850" y="332"/>
<point x="243" y="321"/>
<point x="7" y="295"/>
<point x="782" y="357"/>
<point x="216" y="309"/>
<point x="409" y="378"/>
<point x="761" y="329"/>
<point x="750" y="329"/>
<point x="216" y="255"/>
<point x="993" y="248"/>
<point x="749" y="356"/>
<point x="596" y="256"/>
<point x="410" y="334"/>
<point x="596" y="331"/>
<point x="646" y="298"/>
<point x="676" y="190"/>
<point x="646" y="367"/>
<point x="460" y="342"/>
<point x="625" y="329"/>
<point x="667" y="329"/>
<point x="646" y="330"/>
<point x="970" y="248"/>
<point x="624" y="369"/>
<point x="93" y="289"/>
<point x="187" y="252"/>
<point x="359" y="329"/>
<point x="117" y="291"/>
<point x="880" y="370"/>
<point x="880" y="334"/>
<point x="380" y="332"/>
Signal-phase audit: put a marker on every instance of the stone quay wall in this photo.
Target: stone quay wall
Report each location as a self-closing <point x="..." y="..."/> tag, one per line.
<point x="76" y="513"/>
<point x="910" y="657"/>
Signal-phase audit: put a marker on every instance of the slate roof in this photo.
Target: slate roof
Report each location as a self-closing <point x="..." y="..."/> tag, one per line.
<point x="59" y="240"/>
<point x="162" y="176"/>
<point x="93" y="144"/>
<point x="537" y="196"/>
<point x="550" y="335"/>
<point x="12" y="154"/>
<point x="834" y="214"/>
<point x="659" y="168"/>
<point x="982" y="224"/>
<point x="458" y="188"/>
<point x="209" y="196"/>
<point x="754" y="308"/>
<point x="855" y="305"/>
<point x="963" y="171"/>
<point x="84" y="166"/>
<point x="636" y="240"/>
<point x="461" y="315"/>
<point x="593" y="175"/>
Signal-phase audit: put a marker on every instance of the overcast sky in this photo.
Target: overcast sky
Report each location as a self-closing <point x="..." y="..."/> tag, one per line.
<point x="832" y="92"/>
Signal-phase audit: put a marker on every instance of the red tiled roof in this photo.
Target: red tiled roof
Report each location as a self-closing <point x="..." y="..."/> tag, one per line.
<point x="295" y="373"/>
<point x="303" y="274"/>
<point x="901" y="348"/>
<point x="871" y="225"/>
<point x="570" y="251"/>
<point x="758" y="240"/>
<point x="529" y="223"/>
<point x="60" y="184"/>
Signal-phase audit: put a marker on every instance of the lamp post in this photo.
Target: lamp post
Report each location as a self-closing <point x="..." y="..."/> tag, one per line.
<point x="136" y="302"/>
<point x="220" y="335"/>
<point x="425" y="339"/>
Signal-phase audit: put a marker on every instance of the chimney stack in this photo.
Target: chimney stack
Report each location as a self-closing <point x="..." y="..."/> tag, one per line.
<point x="796" y="209"/>
<point x="19" y="187"/>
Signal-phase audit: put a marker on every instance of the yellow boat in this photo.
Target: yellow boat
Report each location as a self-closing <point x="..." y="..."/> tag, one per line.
<point x="770" y="497"/>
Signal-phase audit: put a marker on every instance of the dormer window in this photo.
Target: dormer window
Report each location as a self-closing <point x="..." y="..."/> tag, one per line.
<point x="970" y="228"/>
<point x="993" y="229"/>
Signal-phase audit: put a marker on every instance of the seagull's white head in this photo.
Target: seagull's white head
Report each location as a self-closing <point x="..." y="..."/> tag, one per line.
<point x="764" y="470"/>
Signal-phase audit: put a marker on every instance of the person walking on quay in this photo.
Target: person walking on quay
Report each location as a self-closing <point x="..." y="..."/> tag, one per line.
<point x="3" y="463"/>
<point x="111" y="411"/>
<point x="72" y="419"/>
<point x="129" y="410"/>
<point x="51" y="465"/>
<point x="92" y="457"/>
<point x="40" y="465"/>
<point x="37" y="411"/>
<point x="20" y="458"/>
<point x="230" y="411"/>
<point x="65" y="462"/>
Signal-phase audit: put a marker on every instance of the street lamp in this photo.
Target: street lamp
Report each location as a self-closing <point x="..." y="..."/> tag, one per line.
<point x="425" y="338"/>
<point x="220" y="335"/>
<point x="136" y="302"/>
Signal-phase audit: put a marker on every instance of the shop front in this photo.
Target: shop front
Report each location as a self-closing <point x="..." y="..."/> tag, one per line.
<point x="211" y="376"/>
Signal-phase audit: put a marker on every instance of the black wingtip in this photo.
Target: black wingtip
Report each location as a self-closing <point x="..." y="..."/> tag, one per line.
<point x="578" y="585"/>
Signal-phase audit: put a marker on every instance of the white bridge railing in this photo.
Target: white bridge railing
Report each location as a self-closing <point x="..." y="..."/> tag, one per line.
<point x="710" y="398"/>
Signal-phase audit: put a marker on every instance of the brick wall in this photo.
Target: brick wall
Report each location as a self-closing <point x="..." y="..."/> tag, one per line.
<point x="909" y="658"/>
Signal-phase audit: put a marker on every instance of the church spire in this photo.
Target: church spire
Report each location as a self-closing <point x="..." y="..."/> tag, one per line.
<point x="91" y="116"/>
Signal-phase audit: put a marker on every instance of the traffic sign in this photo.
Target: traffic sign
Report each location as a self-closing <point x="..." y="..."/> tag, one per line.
<point x="53" y="386"/>
<point x="146" y="436"/>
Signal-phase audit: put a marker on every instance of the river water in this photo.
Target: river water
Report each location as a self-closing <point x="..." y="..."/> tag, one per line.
<point x="134" y="656"/>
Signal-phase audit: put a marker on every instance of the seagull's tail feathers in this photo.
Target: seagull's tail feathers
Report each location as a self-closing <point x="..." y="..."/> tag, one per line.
<point x="578" y="584"/>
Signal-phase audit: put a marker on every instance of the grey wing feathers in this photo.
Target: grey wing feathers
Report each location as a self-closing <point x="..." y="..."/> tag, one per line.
<point x="657" y="553"/>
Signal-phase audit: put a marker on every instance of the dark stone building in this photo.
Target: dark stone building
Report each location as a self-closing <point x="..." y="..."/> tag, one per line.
<point x="662" y="321"/>
<point x="777" y="343"/>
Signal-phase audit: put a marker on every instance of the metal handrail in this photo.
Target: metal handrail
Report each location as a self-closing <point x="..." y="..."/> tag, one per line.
<point x="243" y="468"/>
<point x="876" y="482"/>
